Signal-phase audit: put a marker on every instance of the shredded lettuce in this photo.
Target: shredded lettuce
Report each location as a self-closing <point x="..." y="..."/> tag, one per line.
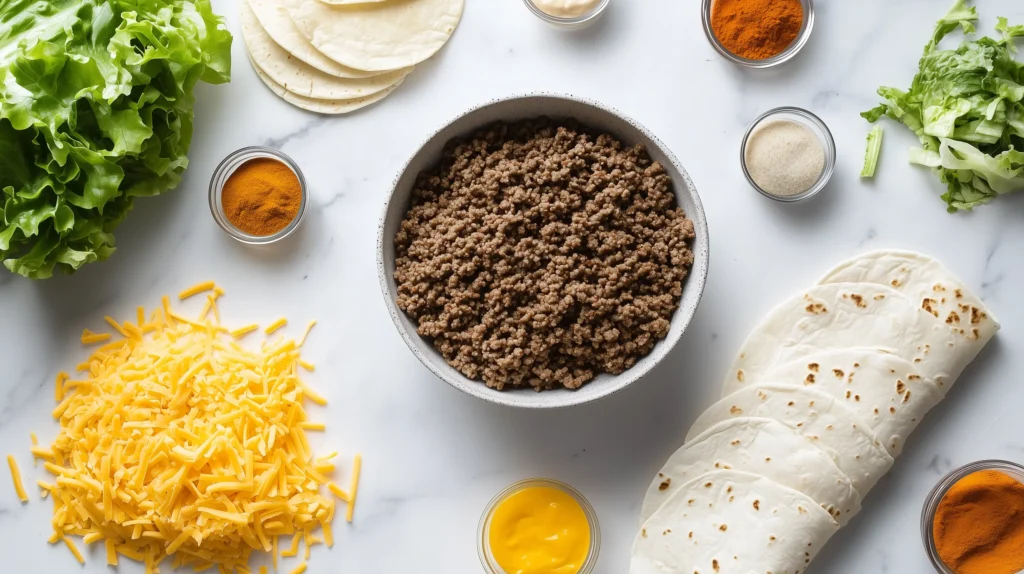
<point x="966" y="106"/>
<point x="96" y="109"/>
<point x="874" y="150"/>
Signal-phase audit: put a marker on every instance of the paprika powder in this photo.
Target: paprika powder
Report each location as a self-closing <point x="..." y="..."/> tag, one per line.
<point x="979" y="525"/>
<point x="757" y="29"/>
<point x="262" y="197"/>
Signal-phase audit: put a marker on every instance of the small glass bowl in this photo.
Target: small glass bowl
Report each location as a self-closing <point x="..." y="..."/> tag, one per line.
<point x="801" y="39"/>
<point x="820" y="130"/>
<point x="931" y="504"/>
<point x="228" y="167"/>
<point x="577" y="22"/>
<point x="483" y="532"/>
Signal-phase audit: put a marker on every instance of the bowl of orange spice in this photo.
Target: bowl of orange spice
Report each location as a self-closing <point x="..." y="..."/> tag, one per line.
<point x="258" y="195"/>
<point x="758" y="33"/>
<point x="973" y="521"/>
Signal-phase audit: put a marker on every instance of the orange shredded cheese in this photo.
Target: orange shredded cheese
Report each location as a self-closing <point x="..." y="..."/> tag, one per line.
<point x="19" y="488"/>
<point x="180" y="443"/>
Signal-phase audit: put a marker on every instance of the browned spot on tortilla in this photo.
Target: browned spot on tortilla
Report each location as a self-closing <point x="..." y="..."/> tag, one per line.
<point x="901" y="387"/>
<point x="771" y="538"/>
<point x="975" y="334"/>
<point x="735" y="411"/>
<point x="810" y="379"/>
<point x="930" y="305"/>
<point x="938" y="288"/>
<point x="728" y="490"/>
<point x="856" y="398"/>
<point x="859" y="300"/>
<point x="977" y="316"/>
<point x="953" y="318"/>
<point x="791" y="403"/>
<point x="829" y="427"/>
<point x="739" y="375"/>
<point x="879" y="297"/>
<point x="723" y="527"/>
<point x="959" y="294"/>
<point x="643" y="532"/>
<point x="906" y="398"/>
<point x="690" y="535"/>
<point x="816" y="309"/>
<point x="849" y="394"/>
<point x="801" y="509"/>
<point x="708" y="485"/>
<point x="895" y="283"/>
<point x="814" y="367"/>
<point x="767" y="459"/>
<point x="757" y="505"/>
<point x="665" y="484"/>
<point x="856" y="365"/>
<point x="838" y="373"/>
<point x="714" y="564"/>
<point x="735" y="442"/>
<point x="914" y="377"/>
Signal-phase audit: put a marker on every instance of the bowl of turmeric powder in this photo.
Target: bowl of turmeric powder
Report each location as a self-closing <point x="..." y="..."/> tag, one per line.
<point x="973" y="521"/>
<point x="258" y="195"/>
<point x="758" y="33"/>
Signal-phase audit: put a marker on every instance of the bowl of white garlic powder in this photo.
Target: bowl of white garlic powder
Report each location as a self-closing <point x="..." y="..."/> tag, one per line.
<point x="788" y="154"/>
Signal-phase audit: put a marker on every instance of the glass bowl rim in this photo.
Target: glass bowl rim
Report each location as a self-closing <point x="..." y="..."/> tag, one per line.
<point x="576" y="21"/>
<point x="830" y="153"/>
<point x="934" y="498"/>
<point x="483" y="547"/>
<point x="806" y="28"/>
<point x="223" y="171"/>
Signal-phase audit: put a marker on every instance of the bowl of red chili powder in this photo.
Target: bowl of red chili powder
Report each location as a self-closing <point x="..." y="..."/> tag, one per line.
<point x="973" y="521"/>
<point x="758" y="33"/>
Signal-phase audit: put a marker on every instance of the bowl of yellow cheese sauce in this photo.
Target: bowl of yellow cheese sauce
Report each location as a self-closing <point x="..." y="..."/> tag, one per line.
<point x="539" y="526"/>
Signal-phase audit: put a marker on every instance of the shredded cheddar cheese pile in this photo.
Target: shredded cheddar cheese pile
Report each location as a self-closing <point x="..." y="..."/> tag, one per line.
<point x="178" y="442"/>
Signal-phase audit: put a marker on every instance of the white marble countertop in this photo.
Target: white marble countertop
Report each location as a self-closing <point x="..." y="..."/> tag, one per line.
<point x="434" y="457"/>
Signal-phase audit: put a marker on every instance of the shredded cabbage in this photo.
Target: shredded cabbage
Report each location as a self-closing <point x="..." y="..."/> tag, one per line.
<point x="967" y="108"/>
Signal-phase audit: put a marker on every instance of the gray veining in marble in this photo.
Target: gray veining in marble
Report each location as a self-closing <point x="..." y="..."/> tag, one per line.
<point x="434" y="457"/>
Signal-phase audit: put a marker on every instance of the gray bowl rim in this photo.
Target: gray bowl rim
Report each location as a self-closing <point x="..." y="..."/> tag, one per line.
<point x="697" y="280"/>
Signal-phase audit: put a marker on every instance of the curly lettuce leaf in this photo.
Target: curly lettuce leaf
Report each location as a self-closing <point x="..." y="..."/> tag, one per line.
<point x="96" y="109"/>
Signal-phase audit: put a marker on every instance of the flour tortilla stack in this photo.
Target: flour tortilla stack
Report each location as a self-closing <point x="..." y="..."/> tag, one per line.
<point x="301" y="78"/>
<point x="728" y="522"/>
<point x="327" y="107"/>
<point x="764" y="447"/>
<point x="379" y="35"/>
<point x="842" y="315"/>
<point x="930" y="286"/>
<point x="826" y="422"/>
<point x="274" y="19"/>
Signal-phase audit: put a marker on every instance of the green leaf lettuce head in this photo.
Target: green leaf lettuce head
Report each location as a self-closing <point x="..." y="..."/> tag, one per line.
<point x="96" y="109"/>
<point x="966" y="105"/>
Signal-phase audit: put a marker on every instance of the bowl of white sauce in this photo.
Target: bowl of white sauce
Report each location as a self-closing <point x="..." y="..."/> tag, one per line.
<point x="788" y="154"/>
<point x="567" y="13"/>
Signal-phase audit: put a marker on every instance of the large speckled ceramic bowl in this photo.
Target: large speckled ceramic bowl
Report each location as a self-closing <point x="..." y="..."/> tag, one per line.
<point x="523" y="107"/>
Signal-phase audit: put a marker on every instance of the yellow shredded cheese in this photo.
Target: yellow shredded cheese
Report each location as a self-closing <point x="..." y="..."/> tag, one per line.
<point x="180" y="443"/>
<point x="19" y="488"/>
<point x="337" y="491"/>
<point x="276" y="325"/>
<point x="90" y="338"/>
<point x="197" y="289"/>
<point x="305" y="335"/>
<point x="357" y="466"/>
<point x="243" y="331"/>
<point x="74" y="549"/>
<point x="299" y="569"/>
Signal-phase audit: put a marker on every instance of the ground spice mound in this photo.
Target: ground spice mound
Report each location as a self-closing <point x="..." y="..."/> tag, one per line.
<point x="757" y="29"/>
<point x="539" y="254"/>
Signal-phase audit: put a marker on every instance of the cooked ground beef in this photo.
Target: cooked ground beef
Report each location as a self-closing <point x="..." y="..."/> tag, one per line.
<point x="541" y="254"/>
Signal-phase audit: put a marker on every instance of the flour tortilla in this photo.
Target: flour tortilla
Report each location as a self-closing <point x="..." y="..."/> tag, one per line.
<point x="301" y="78"/>
<point x="761" y="446"/>
<point x="347" y="2"/>
<point x="275" y="21"/>
<point x="731" y="522"/>
<point x="885" y="391"/>
<point x="328" y="107"/>
<point x="931" y="287"/>
<point x="818" y="416"/>
<point x="845" y="315"/>
<point x="380" y="35"/>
